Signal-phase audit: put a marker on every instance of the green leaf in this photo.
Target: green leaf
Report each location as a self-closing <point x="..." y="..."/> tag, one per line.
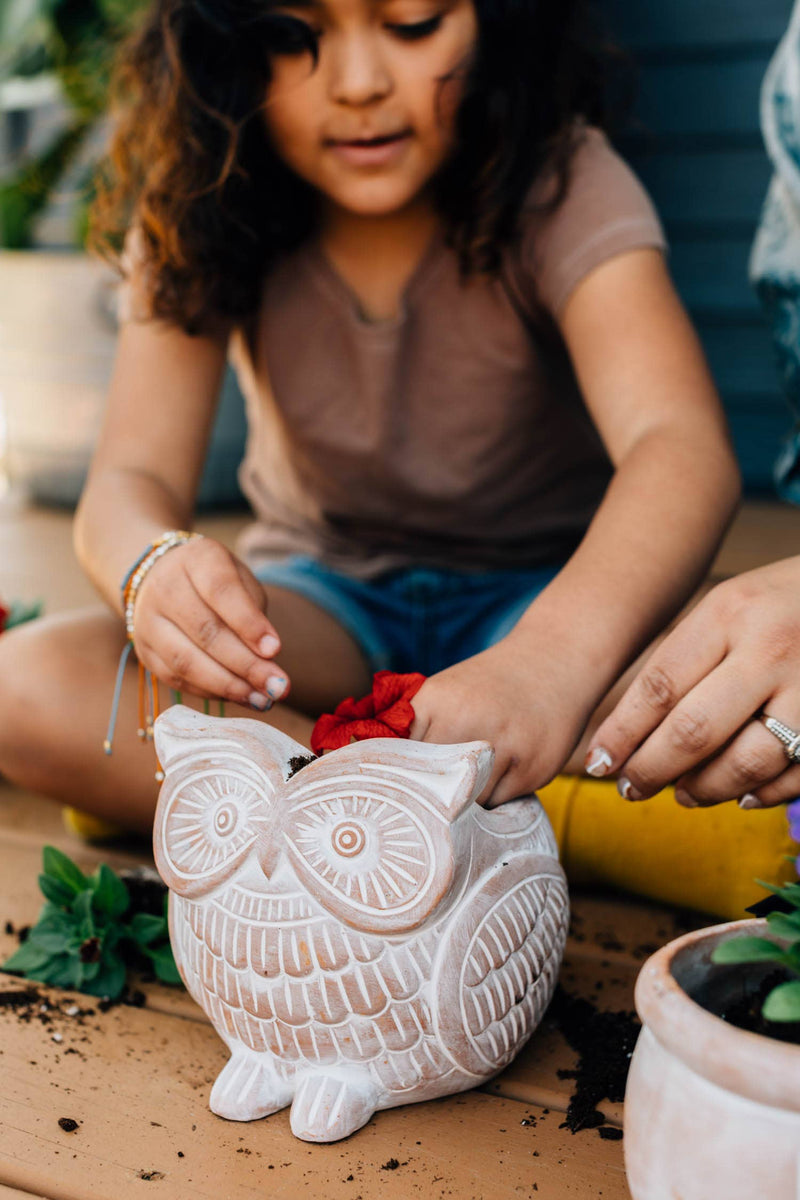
<point x="783" y="1002"/>
<point x="785" y="925"/>
<point x="62" y="971"/>
<point x="110" y="894"/>
<point x="163" y="963"/>
<point x="109" y="980"/>
<point x="55" y="891"/>
<point x="51" y="943"/>
<point x="64" y="870"/>
<point x="788" y="891"/>
<point x="144" y="928"/>
<point x="27" y="958"/>
<point x="82" y="908"/>
<point x="747" y="950"/>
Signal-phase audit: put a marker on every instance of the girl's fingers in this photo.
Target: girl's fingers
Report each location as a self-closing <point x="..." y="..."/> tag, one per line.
<point x="699" y="725"/>
<point x="690" y="652"/>
<point x="206" y="628"/>
<point x="219" y="583"/>
<point x="751" y="761"/>
<point x="177" y="662"/>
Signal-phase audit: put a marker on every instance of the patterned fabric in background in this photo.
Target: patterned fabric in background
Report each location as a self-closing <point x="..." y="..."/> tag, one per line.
<point x="775" y="259"/>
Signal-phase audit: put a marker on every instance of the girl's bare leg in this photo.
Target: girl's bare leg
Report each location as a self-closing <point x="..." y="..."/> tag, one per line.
<point x="56" y="684"/>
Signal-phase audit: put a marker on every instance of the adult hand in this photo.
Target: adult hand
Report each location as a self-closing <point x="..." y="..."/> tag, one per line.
<point x="525" y="714"/>
<point x="200" y="626"/>
<point x="691" y="714"/>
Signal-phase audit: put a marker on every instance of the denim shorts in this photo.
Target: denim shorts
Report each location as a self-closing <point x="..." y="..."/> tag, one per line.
<point x="417" y="618"/>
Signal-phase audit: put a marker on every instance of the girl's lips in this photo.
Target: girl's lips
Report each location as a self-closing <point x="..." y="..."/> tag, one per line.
<point x="372" y="152"/>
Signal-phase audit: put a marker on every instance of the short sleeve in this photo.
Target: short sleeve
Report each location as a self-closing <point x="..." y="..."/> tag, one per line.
<point x="606" y="211"/>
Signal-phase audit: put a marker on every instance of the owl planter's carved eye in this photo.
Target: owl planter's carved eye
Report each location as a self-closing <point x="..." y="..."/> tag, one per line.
<point x="212" y="815"/>
<point x="370" y="852"/>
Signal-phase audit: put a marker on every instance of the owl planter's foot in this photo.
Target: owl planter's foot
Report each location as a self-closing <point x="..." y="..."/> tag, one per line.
<point x="247" y="1089"/>
<point x="327" y="1108"/>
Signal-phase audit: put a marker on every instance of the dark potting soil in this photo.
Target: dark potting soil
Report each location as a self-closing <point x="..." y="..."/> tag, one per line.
<point x="745" y="1011"/>
<point x="298" y="761"/>
<point x="604" y="1042"/>
<point x="146" y="890"/>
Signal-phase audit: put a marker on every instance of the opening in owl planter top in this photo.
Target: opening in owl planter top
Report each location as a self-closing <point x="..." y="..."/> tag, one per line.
<point x="360" y="932"/>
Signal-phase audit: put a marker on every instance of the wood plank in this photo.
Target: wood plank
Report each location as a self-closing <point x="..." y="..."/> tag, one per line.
<point x="9" y="1193"/>
<point x="137" y="1088"/>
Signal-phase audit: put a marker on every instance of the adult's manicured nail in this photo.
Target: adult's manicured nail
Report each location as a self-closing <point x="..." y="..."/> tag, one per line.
<point x="598" y="762"/>
<point x="276" y="686"/>
<point x="748" y="800"/>
<point x="627" y="790"/>
<point x="269" y="645"/>
<point x="256" y="700"/>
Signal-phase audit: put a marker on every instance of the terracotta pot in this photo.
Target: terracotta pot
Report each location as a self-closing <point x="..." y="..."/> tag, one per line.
<point x="712" y="1112"/>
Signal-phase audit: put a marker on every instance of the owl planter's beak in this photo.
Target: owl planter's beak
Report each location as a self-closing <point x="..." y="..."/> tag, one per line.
<point x="268" y="851"/>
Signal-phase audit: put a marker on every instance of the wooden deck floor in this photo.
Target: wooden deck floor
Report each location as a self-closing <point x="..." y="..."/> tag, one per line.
<point x="136" y="1080"/>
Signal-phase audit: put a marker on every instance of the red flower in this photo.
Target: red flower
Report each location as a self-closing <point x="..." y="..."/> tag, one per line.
<point x="5" y="613"/>
<point x="385" y="712"/>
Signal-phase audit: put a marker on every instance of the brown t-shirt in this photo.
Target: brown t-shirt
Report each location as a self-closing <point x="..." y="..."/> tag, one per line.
<point x="451" y="435"/>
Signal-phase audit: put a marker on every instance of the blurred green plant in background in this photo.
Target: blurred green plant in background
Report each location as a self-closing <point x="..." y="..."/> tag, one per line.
<point x="75" y="42"/>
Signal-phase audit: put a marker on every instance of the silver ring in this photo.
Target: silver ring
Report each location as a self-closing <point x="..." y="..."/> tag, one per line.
<point x="789" y="737"/>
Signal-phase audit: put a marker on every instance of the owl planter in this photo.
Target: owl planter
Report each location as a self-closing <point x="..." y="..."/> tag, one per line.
<point x="358" y="930"/>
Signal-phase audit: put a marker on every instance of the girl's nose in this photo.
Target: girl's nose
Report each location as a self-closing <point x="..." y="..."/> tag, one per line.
<point x="358" y="72"/>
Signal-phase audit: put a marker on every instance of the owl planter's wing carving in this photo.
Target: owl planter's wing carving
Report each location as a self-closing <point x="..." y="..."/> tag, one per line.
<point x="498" y="961"/>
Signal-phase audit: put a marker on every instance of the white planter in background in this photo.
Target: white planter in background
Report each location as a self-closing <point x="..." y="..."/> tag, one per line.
<point x="712" y="1112"/>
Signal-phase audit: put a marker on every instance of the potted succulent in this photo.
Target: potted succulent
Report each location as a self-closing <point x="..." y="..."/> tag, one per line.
<point x="712" y="1106"/>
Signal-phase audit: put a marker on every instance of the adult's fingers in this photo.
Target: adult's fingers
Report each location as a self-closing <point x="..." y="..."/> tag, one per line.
<point x="690" y="652"/>
<point x="754" y="766"/>
<point x="749" y="762"/>
<point x="782" y="790"/>
<point x="699" y="725"/>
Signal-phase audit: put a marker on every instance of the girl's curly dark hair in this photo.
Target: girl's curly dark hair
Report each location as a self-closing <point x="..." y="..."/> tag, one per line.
<point x="191" y="165"/>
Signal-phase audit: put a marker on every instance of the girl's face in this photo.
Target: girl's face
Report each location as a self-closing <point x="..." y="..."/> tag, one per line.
<point x="372" y="123"/>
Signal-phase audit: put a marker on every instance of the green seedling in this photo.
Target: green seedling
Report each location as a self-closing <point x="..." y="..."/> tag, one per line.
<point x="86" y="936"/>
<point x="783" y="1002"/>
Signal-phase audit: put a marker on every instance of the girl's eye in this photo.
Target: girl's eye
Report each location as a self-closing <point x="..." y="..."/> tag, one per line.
<point x="290" y="35"/>
<point x="417" y="30"/>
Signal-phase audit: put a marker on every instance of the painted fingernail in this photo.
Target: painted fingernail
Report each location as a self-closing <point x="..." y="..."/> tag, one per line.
<point x="748" y="800"/>
<point x="276" y="686"/>
<point x="598" y="763"/>
<point x="256" y="700"/>
<point x="685" y="800"/>
<point x="627" y="790"/>
<point x="269" y="645"/>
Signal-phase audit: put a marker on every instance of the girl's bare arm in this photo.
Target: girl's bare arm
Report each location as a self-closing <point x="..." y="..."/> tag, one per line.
<point x="200" y="621"/>
<point x="675" y="487"/>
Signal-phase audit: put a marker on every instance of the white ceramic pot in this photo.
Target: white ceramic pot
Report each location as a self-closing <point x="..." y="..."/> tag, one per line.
<point x="712" y="1112"/>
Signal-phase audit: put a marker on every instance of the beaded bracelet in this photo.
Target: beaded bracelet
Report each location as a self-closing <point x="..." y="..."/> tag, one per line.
<point x="136" y="576"/>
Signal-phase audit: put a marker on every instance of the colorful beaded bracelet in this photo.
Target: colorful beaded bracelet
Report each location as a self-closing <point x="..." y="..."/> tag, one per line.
<point x="136" y="576"/>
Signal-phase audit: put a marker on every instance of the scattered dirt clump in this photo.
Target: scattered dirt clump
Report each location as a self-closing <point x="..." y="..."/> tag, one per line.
<point x="604" y="1042"/>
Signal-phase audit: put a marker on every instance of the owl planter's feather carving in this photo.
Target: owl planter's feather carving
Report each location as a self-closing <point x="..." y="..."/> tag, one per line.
<point x="360" y="932"/>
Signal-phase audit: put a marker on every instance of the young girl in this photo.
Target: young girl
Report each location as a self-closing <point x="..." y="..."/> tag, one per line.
<point x="483" y="441"/>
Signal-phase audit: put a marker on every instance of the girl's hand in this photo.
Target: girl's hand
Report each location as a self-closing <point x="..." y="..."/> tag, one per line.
<point x="524" y="712"/>
<point x="691" y="713"/>
<point x="200" y="627"/>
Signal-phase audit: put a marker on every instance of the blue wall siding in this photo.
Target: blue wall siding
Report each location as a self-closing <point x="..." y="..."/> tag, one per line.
<point x="696" y="144"/>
